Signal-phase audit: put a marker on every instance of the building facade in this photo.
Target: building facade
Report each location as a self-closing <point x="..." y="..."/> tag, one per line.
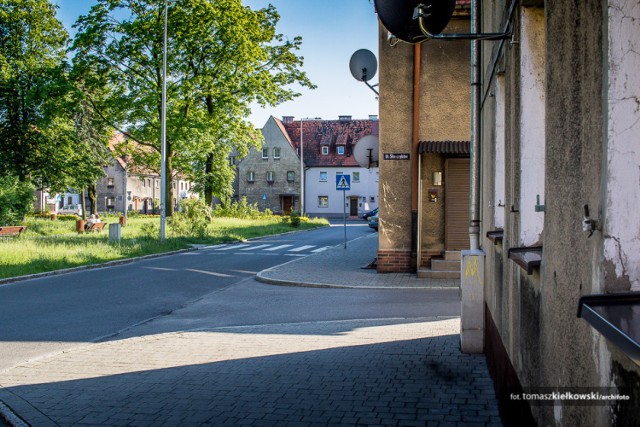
<point x="557" y="205"/>
<point x="270" y="176"/>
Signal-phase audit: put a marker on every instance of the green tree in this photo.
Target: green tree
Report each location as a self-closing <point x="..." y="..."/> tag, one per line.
<point x="221" y="57"/>
<point x="33" y="92"/>
<point x="16" y="200"/>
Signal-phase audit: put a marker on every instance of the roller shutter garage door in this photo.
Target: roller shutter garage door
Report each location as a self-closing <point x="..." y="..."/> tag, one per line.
<point x="457" y="189"/>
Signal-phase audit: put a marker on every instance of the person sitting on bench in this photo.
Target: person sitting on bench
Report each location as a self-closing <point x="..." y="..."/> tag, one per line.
<point x="93" y="219"/>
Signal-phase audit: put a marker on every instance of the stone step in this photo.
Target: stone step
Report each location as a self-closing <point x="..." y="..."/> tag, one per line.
<point x="445" y="265"/>
<point x="452" y="256"/>
<point x="427" y="273"/>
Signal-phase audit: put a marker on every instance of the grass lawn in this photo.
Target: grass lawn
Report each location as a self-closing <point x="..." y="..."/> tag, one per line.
<point x="52" y="245"/>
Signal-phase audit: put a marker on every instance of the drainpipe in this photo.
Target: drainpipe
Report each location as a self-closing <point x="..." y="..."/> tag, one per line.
<point x="414" y="156"/>
<point x="474" y="197"/>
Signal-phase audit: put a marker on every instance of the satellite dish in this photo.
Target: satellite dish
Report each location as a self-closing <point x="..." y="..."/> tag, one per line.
<point x="366" y="151"/>
<point x="363" y="65"/>
<point x="397" y="17"/>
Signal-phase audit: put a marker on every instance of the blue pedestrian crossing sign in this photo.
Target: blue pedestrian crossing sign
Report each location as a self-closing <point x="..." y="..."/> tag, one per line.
<point x="343" y="182"/>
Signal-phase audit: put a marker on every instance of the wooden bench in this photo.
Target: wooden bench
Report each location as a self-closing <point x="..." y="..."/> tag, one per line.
<point x="11" y="230"/>
<point x="98" y="226"/>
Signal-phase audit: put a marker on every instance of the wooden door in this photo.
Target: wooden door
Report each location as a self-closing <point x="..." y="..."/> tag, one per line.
<point x="287" y="204"/>
<point x="353" y="206"/>
<point x="457" y="188"/>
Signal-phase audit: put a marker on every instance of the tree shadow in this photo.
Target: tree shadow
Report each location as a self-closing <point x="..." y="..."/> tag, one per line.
<point x="406" y="382"/>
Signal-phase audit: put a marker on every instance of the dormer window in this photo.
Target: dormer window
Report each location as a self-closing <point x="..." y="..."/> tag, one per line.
<point x="340" y="150"/>
<point x="325" y="150"/>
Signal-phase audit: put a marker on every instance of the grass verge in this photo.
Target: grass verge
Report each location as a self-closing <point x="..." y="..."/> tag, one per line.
<point x="54" y="245"/>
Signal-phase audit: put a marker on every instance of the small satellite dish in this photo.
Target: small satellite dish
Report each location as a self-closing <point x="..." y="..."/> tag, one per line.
<point x="397" y="17"/>
<point x="363" y="65"/>
<point x="366" y="151"/>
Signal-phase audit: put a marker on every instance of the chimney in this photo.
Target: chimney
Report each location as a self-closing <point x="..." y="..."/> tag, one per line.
<point x="344" y="118"/>
<point x="373" y="117"/>
<point x="287" y="119"/>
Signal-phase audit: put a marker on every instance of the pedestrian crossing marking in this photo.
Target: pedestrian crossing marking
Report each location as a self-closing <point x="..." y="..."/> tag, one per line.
<point x="321" y="249"/>
<point x="255" y="247"/>
<point x="226" y="248"/>
<point x="302" y="248"/>
<point x="278" y="247"/>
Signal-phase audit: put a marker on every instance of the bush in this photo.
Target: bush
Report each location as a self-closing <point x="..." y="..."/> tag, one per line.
<point x="193" y="218"/>
<point x="243" y="210"/>
<point x="16" y="200"/>
<point x="295" y="218"/>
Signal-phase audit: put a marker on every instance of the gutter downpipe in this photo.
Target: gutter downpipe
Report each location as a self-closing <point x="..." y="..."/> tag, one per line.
<point x="474" y="196"/>
<point x="415" y="239"/>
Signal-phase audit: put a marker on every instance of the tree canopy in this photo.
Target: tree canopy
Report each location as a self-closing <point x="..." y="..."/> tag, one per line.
<point x="222" y="56"/>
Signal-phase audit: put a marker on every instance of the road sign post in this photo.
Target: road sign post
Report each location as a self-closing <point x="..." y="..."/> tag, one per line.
<point x="343" y="183"/>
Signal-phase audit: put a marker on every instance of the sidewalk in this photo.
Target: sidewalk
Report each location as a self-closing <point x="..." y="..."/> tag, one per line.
<point x="347" y="372"/>
<point x="338" y="267"/>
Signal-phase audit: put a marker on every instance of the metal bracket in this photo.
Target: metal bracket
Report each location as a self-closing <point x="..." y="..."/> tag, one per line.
<point x="422" y="11"/>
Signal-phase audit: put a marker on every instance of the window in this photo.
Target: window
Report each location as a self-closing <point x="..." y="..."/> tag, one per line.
<point x="232" y="160"/>
<point x="250" y="176"/>
<point x="270" y="176"/>
<point x="341" y="150"/>
<point x="291" y="176"/>
<point x="265" y="153"/>
<point x="325" y="150"/>
<point x="355" y="176"/>
<point x="377" y="176"/>
<point x="373" y="199"/>
<point x="110" y="202"/>
<point x="276" y="153"/>
<point x="69" y="200"/>
<point x="323" y="177"/>
<point x="110" y="182"/>
<point x="323" y="201"/>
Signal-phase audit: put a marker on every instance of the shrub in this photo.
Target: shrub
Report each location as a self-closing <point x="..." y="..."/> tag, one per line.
<point x="295" y="218"/>
<point x="193" y="218"/>
<point x="242" y="209"/>
<point x="16" y="200"/>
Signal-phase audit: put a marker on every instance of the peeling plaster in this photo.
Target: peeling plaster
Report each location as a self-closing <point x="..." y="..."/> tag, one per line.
<point x="622" y="228"/>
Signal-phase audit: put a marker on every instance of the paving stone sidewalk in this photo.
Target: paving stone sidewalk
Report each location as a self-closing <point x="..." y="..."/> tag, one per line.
<point x="396" y="372"/>
<point x="338" y="267"/>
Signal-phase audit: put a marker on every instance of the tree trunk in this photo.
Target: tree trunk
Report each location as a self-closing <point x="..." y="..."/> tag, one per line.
<point x="168" y="209"/>
<point x="208" y="181"/>
<point x="92" y="191"/>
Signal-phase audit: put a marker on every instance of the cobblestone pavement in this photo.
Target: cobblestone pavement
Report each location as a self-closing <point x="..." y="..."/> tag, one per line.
<point x="342" y="268"/>
<point x="394" y="372"/>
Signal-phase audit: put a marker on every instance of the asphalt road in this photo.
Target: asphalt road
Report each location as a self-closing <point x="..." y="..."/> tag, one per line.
<point x="213" y="286"/>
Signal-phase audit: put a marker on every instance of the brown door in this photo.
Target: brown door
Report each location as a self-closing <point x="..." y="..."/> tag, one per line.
<point x="456" y="204"/>
<point x="353" y="206"/>
<point x="287" y="204"/>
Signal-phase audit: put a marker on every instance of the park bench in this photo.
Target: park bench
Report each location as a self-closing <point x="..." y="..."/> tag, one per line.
<point x="98" y="226"/>
<point x="11" y="230"/>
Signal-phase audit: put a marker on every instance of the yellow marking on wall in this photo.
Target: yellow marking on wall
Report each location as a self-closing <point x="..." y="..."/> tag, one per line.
<point x="472" y="275"/>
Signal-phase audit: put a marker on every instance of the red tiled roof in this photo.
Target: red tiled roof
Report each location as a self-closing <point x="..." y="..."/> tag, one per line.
<point x="330" y="133"/>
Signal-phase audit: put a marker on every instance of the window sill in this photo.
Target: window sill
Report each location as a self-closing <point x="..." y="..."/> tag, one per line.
<point x="527" y="258"/>
<point x="495" y="236"/>
<point x="616" y="317"/>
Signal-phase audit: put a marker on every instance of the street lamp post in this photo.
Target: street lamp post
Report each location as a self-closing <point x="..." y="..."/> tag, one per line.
<point x="163" y="130"/>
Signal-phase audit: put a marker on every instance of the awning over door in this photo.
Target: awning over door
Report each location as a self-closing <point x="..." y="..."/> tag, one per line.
<point x="445" y="147"/>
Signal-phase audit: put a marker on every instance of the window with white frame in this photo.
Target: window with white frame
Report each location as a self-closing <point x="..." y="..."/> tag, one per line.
<point x="251" y="176"/>
<point x="323" y="177"/>
<point x="276" y="153"/>
<point x="355" y="176"/>
<point x="270" y="176"/>
<point x="110" y="182"/>
<point x="291" y="176"/>
<point x="325" y="150"/>
<point x="233" y="160"/>
<point x="323" y="201"/>
<point x="265" y="153"/>
<point x="110" y="202"/>
<point x="340" y="150"/>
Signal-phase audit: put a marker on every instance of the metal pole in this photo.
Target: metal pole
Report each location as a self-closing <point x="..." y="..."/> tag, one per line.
<point x="301" y="170"/>
<point x="474" y="213"/>
<point x="124" y="194"/>
<point x="344" y="207"/>
<point x="163" y="131"/>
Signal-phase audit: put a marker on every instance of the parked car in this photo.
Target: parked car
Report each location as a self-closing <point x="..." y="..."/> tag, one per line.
<point x="369" y="214"/>
<point x="373" y="222"/>
<point x="71" y="210"/>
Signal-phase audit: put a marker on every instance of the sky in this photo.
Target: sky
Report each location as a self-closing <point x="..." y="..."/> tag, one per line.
<point x="331" y="31"/>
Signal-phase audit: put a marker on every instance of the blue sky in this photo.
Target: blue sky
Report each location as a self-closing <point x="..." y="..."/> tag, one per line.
<point x="331" y="31"/>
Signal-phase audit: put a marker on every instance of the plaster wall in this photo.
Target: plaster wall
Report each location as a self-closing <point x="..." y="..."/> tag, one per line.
<point x="622" y="226"/>
<point x="498" y="201"/>
<point x="367" y="187"/>
<point x="532" y="124"/>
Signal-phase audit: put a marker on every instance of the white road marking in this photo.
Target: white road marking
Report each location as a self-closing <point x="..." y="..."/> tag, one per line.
<point x="275" y="248"/>
<point x="321" y="249"/>
<point x="255" y="247"/>
<point x="210" y="273"/>
<point x="232" y="247"/>
<point x="302" y="248"/>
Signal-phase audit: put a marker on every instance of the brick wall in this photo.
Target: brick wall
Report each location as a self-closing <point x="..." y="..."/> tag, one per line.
<point x="390" y="261"/>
